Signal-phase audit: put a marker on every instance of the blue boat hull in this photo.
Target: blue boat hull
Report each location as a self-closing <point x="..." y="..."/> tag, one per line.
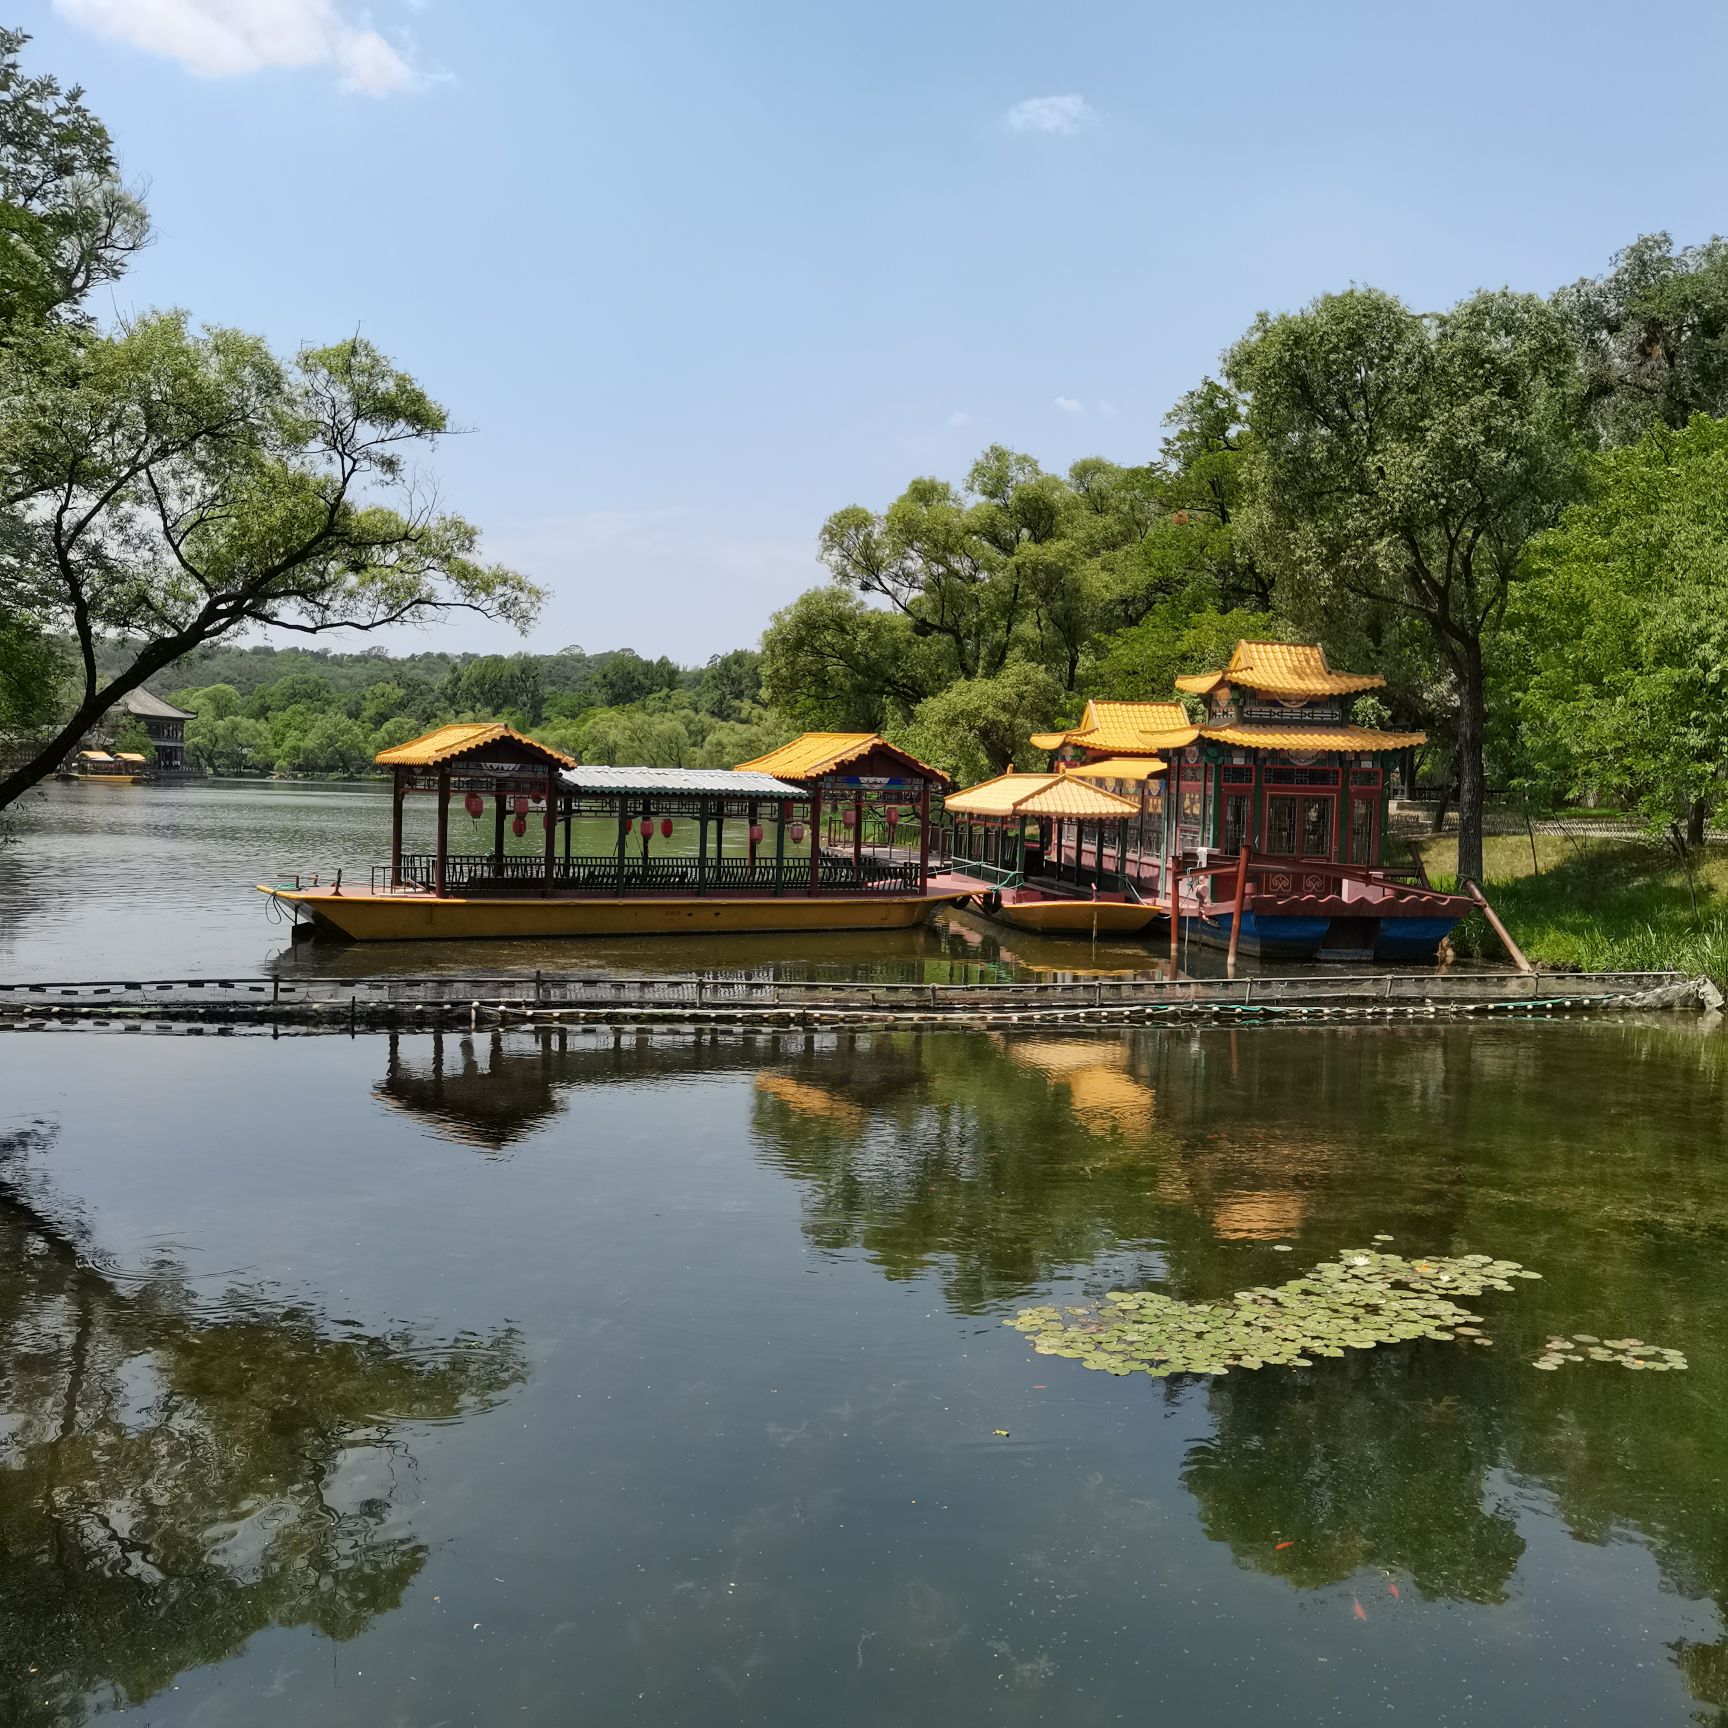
<point x="1283" y="936"/>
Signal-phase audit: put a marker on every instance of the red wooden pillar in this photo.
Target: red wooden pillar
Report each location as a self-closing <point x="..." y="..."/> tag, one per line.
<point x="816" y="838"/>
<point x="551" y="827"/>
<point x="923" y="836"/>
<point x="441" y="872"/>
<point x="396" y="796"/>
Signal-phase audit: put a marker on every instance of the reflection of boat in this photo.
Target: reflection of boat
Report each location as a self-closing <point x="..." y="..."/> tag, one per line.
<point x="99" y="767"/>
<point x="771" y="880"/>
<point x="1101" y="1091"/>
<point x="809" y="1100"/>
<point x="1017" y="885"/>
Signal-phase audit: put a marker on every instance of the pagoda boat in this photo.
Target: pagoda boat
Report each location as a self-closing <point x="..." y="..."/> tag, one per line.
<point x="1008" y="833"/>
<point x="1265" y="834"/>
<point x="834" y="836"/>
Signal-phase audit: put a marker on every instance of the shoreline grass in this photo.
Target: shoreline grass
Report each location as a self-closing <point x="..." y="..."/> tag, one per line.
<point x="1596" y="904"/>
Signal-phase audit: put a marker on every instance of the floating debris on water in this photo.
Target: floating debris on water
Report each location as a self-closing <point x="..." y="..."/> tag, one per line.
<point x="1363" y="1298"/>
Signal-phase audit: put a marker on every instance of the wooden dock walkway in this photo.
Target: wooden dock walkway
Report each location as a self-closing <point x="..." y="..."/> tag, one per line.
<point x="743" y="1000"/>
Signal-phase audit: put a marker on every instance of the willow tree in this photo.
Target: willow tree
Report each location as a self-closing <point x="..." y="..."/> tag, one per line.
<point x="1407" y="460"/>
<point x="162" y="486"/>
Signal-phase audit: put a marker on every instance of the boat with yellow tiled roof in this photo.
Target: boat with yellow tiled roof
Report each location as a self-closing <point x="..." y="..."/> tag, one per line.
<point x="1275" y="773"/>
<point x="799" y="860"/>
<point x="1025" y="886"/>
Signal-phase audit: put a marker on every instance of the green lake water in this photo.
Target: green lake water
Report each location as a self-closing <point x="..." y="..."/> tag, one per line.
<point x="597" y="1377"/>
<point x="608" y="1377"/>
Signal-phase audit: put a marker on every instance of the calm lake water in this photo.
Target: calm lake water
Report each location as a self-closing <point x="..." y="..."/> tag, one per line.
<point x="159" y="882"/>
<point x="598" y="1377"/>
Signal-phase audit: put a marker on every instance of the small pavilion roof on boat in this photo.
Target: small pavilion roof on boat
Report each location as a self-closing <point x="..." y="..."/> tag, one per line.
<point x="1062" y="795"/>
<point x="474" y="741"/>
<point x="1130" y="770"/>
<point x="1306" y="738"/>
<point x="1282" y="669"/>
<point x="1125" y="729"/>
<point x="850" y="757"/>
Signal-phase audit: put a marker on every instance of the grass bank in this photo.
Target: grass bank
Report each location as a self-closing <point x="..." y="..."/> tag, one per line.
<point x="1598" y="905"/>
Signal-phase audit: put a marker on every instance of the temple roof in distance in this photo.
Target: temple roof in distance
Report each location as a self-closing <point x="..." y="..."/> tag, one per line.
<point x="148" y="707"/>
<point x="1041" y="795"/>
<point x="1285" y="669"/>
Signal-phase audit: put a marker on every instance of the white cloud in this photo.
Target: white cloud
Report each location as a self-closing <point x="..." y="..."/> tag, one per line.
<point x="960" y="417"/>
<point x="1060" y="115"/>
<point x="1067" y="404"/>
<point x="228" y="38"/>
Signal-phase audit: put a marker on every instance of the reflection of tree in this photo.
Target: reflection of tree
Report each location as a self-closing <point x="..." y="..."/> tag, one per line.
<point x="1004" y="1163"/>
<point x="1378" y="1461"/>
<point x="177" y="1474"/>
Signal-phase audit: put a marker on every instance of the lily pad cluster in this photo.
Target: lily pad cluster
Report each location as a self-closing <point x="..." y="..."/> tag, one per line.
<point x="1363" y="1298"/>
<point x="1626" y="1352"/>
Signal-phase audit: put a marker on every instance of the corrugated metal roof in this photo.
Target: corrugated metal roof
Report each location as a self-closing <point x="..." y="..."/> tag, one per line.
<point x="679" y="782"/>
<point x="813" y="753"/>
<point x="449" y="741"/>
<point x="1040" y="795"/>
<point x="1302" y="738"/>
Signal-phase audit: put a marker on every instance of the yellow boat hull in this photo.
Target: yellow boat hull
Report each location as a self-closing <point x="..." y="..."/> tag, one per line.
<point x="1075" y="917"/>
<point x="425" y="918"/>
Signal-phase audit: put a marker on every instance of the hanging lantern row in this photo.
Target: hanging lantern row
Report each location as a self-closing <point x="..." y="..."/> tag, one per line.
<point x="475" y="805"/>
<point x="849" y="817"/>
<point x="797" y="833"/>
<point x="521" y="805"/>
<point x="755" y="833"/>
<point x="665" y="827"/>
<point x="519" y="825"/>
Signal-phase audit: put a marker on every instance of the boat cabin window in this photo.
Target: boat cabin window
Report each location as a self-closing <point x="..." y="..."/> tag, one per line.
<point x="1235" y="820"/>
<point x="1316" y="827"/>
<point x="1281" y="827"/>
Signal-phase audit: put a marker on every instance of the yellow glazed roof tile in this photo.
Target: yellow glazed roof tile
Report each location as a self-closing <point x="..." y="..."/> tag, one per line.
<point x="448" y="741"/>
<point x="1130" y="728"/>
<point x="1133" y="768"/>
<point x="813" y="753"/>
<point x="1040" y="795"/>
<point x="1282" y="669"/>
<point x="1312" y="737"/>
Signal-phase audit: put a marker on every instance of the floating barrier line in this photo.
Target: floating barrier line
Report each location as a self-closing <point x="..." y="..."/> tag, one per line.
<point x="731" y="999"/>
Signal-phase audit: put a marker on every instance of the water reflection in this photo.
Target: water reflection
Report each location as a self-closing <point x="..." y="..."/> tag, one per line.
<point x="1005" y="1167"/>
<point x="178" y="1473"/>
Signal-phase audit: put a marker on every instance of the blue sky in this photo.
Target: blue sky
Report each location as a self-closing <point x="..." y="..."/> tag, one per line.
<point x="696" y="274"/>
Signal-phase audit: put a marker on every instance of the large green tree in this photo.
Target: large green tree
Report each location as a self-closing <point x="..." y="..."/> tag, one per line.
<point x="1406" y="460"/>
<point x="979" y="726"/>
<point x="1652" y="336"/>
<point x="1624" y="624"/>
<point x="168" y="486"/>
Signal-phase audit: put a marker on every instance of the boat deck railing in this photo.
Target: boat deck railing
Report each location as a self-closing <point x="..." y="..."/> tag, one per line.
<point x="485" y="874"/>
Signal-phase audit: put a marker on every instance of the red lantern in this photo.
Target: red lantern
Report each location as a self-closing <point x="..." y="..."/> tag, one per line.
<point x="647" y="826"/>
<point x="665" y="827"/>
<point x="891" y="816"/>
<point x="475" y="805"/>
<point x="755" y="833"/>
<point x="519" y="825"/>
<point x="797" y="833"/>
<point x="849" y="816"/>
<point x="521" y="805"/>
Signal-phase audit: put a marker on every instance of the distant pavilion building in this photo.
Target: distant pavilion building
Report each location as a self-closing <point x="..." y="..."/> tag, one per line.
<point x="166" y="725"/>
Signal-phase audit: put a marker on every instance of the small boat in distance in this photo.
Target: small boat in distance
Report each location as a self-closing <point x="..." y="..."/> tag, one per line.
<point x="119" y="768"/>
